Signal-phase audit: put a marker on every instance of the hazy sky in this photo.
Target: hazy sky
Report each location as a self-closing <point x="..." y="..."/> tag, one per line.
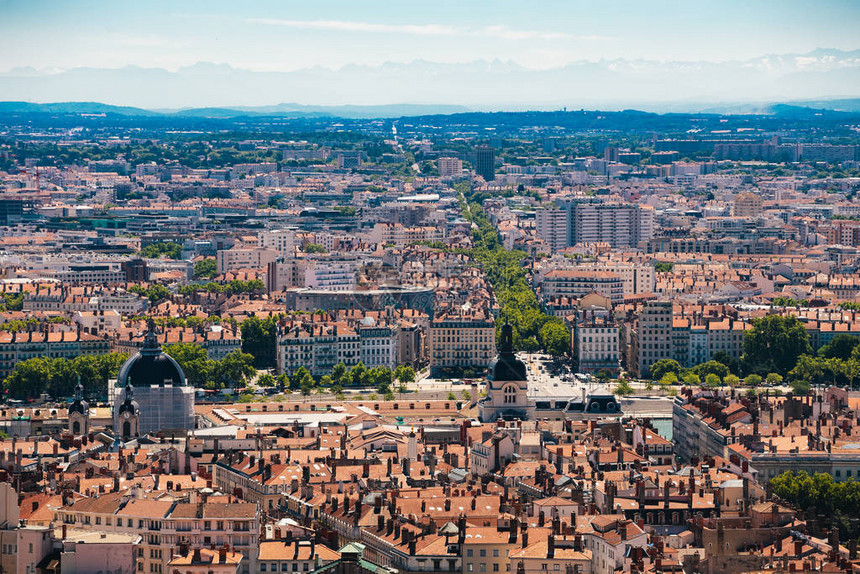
<point x="288" y="35"/>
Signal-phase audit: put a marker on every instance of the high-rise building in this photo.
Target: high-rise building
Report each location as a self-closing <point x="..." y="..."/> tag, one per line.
<point x="349" y="160"/>
<point x="552" y="227"/>
<point x="578" y="222"/>
<point x="11" y="211"/>
<point x="654" y="334"/>
<point x="485" y="162"/>
<point x="748" y="205"/>
<point x="450" y="167"/>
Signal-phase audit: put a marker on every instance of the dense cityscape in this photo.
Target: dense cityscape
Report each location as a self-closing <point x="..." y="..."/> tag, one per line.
<point x="569" y="288"/>
<point x="575" y="343"/>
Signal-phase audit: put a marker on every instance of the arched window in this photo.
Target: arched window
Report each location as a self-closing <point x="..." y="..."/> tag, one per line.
<point x="76" y="428"/>
<point x="510" y="394"/>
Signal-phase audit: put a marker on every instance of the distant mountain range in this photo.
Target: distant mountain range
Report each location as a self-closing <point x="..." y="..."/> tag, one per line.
<point x="831" y="108"/>
<point x="279" y="110"/>
<point x="816" y="77"/>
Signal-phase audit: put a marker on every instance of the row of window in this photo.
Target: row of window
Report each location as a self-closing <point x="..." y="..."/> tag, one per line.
<point x="285" y="567"/>
<point x="482" y="567"/>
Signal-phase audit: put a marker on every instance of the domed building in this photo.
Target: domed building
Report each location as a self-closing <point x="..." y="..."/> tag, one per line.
<point x="507" y="384"/>
<point x="154" y="393"/>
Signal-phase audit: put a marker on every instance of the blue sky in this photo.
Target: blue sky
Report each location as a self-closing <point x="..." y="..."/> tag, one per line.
<point x="287" y="35"/>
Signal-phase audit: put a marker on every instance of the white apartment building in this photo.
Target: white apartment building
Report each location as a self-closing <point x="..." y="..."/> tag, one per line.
<point x="163" y="524"/>
<point x="397" y="234"/>
<point x="317" y="347"/>
<point x="576" y="283"/>
<point x="620" y="225"/>
<point x="635" y="278"/>
<point x="101" y="274"/>
<point x="98" y="321"/>
<point x="378" y="343"/>
<point x="285" y="273"/>
<point x="284" y="241"/>
<point x="552" y="226"/>
<point x="126" y="304"/>
<point x="330" y="275"/>
<point x="596" y="342"/>
<point x="580" y="222"/>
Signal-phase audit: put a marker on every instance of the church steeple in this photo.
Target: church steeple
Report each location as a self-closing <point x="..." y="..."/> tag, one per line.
<point x="506" y="341"/>
<point x="79" y="412"/>
<point x="506" y="366"/>
<point x="79" y="391"/>
<point x="507" y="383"/>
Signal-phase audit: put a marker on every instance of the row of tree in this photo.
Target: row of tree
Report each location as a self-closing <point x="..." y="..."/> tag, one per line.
<point x="533" y="329"/>
<point x="778" y="348"/>
<point x="379" y="377"/>
<point x="58" y="377"/>
<point x="234" y="287"/>
<point x="233" y="371"/>
<point x="819" y="496"/>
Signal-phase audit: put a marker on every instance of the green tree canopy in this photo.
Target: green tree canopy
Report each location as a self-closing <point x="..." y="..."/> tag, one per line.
<point x="359" y="376"/>
<point x="774" y="344"/>
<point x="169" y="249"/>
<point x="840" y="347"/>
<point x="260" y="339"/>
<point x="234" y="370"/>
<point x="623" y="388"/>
<point x="266" y="380"/>
<point x="731" y="362"/>
<point x="404" y="373"/>
<point x="205" y="268"/>
<point x="555" y="337"/>
<point x="835" y="503"/>
<point x="663" y="367"/>
<point x="752" y="380"/>
<point x="194" y="361"/>
<point x="58" y="377"/>
<point x="809" y="369"/>
<point x="155" y="293"/>
<point x="711" y="367"/>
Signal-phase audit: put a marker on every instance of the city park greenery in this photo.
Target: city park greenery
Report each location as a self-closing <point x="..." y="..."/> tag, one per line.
<point x="205" y="268"/>
<point x="776" y="350"/>
<point x="828" y="502"/>
<point x="232" y="287"/>
<point x="533" y="328"/>
<point x="169" y="249"/>
<point x="58" y="377"/>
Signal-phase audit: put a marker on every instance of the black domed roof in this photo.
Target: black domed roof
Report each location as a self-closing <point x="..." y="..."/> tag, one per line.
<point x="506" y="366"/>
<point x="150" y="367"/>
<point x="79" y="405"/>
